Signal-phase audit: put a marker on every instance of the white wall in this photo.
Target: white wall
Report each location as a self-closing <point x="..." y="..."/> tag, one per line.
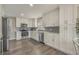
<point x="0" y="23"/>
<point x="0" y="27"/>
<point x="78" y="12"/>
<point x="1" y="20"/>
<point x="1" y="14"/>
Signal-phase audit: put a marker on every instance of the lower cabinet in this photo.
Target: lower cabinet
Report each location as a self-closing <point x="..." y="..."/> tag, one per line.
<point x="51" y="39"/>
<point x="48" y="39"/>
<point x="18" y="35"/>
<point x="34" y="35"/>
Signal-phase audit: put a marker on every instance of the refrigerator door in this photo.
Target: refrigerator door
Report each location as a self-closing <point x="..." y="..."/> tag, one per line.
<point x="4" y="33"/>
<point x="1" y="46"/>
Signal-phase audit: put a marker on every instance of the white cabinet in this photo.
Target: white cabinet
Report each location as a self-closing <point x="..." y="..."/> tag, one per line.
<point x="67" y="28"/>
<point x="34" y="35"/>
<point x="29" y="22"/>
<point x="18" y="35"/>
<point x="51" y="39"/>
<point x="48" y="38"/>
<point x="51" y="18"/>
<point x="56" y="38"/>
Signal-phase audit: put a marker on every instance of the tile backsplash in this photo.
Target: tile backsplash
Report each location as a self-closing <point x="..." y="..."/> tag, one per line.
<point x="54" y="29"/>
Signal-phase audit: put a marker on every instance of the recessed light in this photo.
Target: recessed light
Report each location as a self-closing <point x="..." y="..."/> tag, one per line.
<point x="31" y="5"/>
<point x="22" y="14"/>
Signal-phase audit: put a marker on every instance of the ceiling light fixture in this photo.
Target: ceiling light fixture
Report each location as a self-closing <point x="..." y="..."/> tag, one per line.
<point x="31" y="5"/>
<point x="22" y="14"/>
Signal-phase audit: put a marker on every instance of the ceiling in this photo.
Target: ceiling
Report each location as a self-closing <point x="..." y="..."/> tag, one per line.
<point x="37" y="10"/>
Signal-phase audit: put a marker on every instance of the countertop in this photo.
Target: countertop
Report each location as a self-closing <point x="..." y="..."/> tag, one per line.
<point x="54" y="29"/>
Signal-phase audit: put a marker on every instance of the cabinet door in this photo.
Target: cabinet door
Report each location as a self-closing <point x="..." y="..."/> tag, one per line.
<point x="30" y="34"/>
<point x="67" y="29"/>
<point x="18" y="35"/>
<point x="57" y="41"/>
<point x="34" y="35"/>
<point x="52" y="39"/>
<point x="49" y="39"/>
<point x="46" y="37"/>
<point x="52" y="18"/>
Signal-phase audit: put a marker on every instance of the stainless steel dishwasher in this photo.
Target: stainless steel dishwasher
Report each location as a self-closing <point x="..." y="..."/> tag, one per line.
<point x="41" y="36"/>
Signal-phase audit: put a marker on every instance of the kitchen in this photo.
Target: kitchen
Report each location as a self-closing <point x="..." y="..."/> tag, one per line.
<point x="51" y="25"/>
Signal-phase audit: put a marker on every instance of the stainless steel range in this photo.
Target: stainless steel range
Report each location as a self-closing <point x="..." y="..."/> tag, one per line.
<point x="24" y="30"/>
<point x="41" y="36"/>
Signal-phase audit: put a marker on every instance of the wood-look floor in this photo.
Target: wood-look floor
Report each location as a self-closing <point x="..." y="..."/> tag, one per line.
<point x="30" y="47"/>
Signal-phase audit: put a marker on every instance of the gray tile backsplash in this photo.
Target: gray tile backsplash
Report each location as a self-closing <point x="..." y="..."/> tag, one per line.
<point x="54" y="29"/>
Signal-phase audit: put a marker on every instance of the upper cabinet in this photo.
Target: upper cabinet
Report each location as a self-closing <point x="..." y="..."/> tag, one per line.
<point x="51" y="18"/>
<point x="29" y="22"/>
